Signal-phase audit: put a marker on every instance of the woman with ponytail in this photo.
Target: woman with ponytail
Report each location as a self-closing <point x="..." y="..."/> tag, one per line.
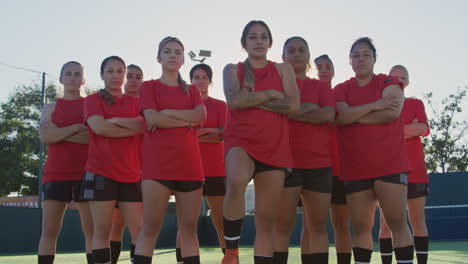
<point x="62" y="128"/>
<point x="260" y="94"/>
<point x="134" y="78"/>
<point x="171" y="155"/>
<point x="113" y="171"/>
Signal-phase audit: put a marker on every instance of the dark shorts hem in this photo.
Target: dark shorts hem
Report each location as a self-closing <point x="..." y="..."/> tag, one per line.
<point x="99" y="188"/>
<point x="262" y="167"/>
<point x="214" y="186"/>
<point x="338" y="192"/>
<point x="417" y="190"/>
<point x="316" y="180"/>
<point x="366" y="184"/>
<point x="181" y="186"/>
<point x="64" y="191"/>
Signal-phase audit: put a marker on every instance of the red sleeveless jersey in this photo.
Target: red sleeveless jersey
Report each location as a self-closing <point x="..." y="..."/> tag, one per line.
<point x="66" y="160"/>
<point x="262" y="134"/>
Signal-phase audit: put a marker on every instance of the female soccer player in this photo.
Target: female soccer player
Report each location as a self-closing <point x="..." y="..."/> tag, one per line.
<point x="339" y="209"/>
<point x="171" y="155"/>
<point x="260" y="94"/>
<point x="311" y="176"/>
<point x="210" y="137"/>
<point x="62" y="128"/>
<point x="374" y="164"/>
<point x="113" y="168"/>
<point x="415" y="121"/>
<point x="132" y="86"/>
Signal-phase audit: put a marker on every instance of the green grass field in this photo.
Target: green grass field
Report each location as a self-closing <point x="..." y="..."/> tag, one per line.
<point x="440" y="253"/>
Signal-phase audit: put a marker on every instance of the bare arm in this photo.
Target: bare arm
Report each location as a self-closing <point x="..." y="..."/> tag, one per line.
<point x="206" y="130"/>
<point x="414" y="129"/>
<point x="80" y="138"/>
<point x="50" y="133"/>
<point x="155" y="119"/>
<point x="303" y="109"/>
<point x="290" y="104"/>
<point x="213" y="137"/>
<point x="103" y="128"/>
<point x="241" y="98"/>
<point x="320" y="115"/>
<point x="391" y="112"/>
<point x="195" y="115"/>
<point x="132" y="123"/>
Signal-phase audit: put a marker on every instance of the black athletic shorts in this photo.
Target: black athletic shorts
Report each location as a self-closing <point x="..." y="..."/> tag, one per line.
<point x="338" y="192"/>
<point x="417" y="190"/>
<point x="366" y="184"/>
<point x="99" y="188"/>
<point x="214" y="186"/>
<point x="181" y="186"/>
<point x="64" y="191"/>
<point x="262" y="167"/>
<point x="316" y="180"/>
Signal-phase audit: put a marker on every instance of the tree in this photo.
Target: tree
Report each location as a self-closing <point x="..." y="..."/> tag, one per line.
<point x="446" y="147"/>
<point x="19" y="141"/>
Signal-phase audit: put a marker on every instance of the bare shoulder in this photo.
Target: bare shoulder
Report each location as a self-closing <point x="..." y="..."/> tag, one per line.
<point x="284" y="68"/>
<point x="49" y="108"/>
<point x="230" y="68"/>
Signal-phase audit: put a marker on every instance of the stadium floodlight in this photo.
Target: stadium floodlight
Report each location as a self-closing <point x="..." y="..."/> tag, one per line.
<point x="203" y="53"/>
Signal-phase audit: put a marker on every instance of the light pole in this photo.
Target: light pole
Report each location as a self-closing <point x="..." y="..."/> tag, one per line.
<point x="203" y="53"/>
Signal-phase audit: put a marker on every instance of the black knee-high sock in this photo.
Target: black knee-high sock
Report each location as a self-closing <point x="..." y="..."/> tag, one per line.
<point x="421" y="245"/>
<point x="404" y="255"/>
<point x="362" y="255"/>
<point x="45" y="259"/>
<point x="89" y="258"/>
<point x="178" y="255"/>
<point x="116" y="247"/>
<point x="232" y="231"/>
<point x="142" y="259"/>
<point x="280" y="257"/>
<point x="102" y="256"/>
<point x="319" y="258"/>
<point x="223" y="250"/>
<point x="343" y="258"/>
<point x="132" y="253"/>
<point x="263" y="260"/>
<point x="192" y="260"/>
<point x="386" y="250"/>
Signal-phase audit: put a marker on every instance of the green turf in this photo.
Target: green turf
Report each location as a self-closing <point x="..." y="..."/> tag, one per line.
<point x="440" y="252"/>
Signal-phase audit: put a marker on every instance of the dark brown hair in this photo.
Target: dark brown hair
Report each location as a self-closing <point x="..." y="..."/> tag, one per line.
<point x="205" y="68"/>
<point x="249" y="76"/>
<point x="305" y="42"/>
<point x="68" y="63"/>
<point x="368" y="41"/>
<point x="104" y="93"/>
<point x="163" y="43"/>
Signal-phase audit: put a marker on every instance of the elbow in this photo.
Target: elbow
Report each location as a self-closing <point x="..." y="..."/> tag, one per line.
<point x="293" y="109"/>
<point x="44" y="138"/>
<point x="100" y="131"/>
<point x="341" y="121"/>
<point x="330" y="116"/>
<point x="233" y="104"/>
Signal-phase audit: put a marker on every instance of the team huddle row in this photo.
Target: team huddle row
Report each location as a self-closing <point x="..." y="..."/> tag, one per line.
<point x="351" y="148"/>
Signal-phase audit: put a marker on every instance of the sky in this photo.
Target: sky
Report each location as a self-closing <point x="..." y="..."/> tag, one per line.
<point x="428" y="37"/>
